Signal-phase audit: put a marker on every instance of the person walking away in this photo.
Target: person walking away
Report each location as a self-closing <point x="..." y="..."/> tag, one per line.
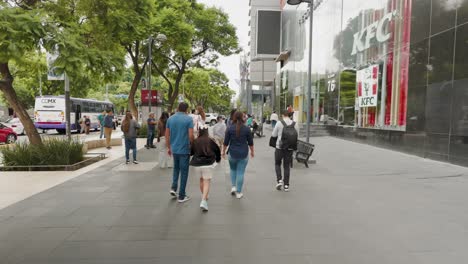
<point x="230" y="120"/>
<point x="287" y="135"/>
<point x="151" y="122"/>
<point x="206" y="153"/>
<point x="194" y="116"/>
<point x="101" y="124"/>
<point x="164" y="158"/>
<point x="129" y="128"/>
<point x="249" y="120"/>
<point x="239" y="140"/>
<point x="274" y="119"/>
<point x="108" y="126"/>
<point x="87" y="125"/>
<point x="200" y="120"/>
<point x="179" y="135"/>
<point x="219" y="131"/>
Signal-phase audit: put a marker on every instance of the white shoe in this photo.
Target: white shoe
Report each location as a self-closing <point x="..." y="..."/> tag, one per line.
<point x="239" y="195"/>
<point x="233" y="190"/>
<point x="279" y="185"/>
<point x="204" y="206"/>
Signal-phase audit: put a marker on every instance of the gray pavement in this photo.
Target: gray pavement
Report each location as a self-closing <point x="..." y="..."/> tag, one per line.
<point x="358" y="205"/>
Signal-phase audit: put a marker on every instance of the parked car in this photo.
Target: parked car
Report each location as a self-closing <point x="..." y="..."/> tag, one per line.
<point x="7" y="135"/>
<point x="15" y="124"/>
<point x="211" y="118"/>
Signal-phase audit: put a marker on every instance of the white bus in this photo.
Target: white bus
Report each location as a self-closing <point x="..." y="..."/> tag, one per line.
<point x="49" y="112"/>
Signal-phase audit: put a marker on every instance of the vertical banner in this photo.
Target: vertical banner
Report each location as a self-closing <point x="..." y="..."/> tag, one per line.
<point x="52" y="74"/>
<point x="368" y="86"/>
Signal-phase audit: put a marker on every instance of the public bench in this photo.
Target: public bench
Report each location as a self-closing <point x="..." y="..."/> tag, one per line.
<point x="303" y="152"/>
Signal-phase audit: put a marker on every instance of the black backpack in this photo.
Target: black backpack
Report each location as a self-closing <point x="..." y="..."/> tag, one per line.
<point x="289" y="136"/>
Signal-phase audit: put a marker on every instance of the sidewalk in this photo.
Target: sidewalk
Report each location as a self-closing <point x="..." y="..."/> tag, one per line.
<point x="358" y="205"/>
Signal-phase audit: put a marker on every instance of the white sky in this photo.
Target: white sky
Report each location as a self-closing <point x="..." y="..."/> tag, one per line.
<point x="238" y="11"/>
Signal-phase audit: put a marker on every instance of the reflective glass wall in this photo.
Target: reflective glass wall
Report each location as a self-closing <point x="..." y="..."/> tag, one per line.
<point x="390" y="72"/>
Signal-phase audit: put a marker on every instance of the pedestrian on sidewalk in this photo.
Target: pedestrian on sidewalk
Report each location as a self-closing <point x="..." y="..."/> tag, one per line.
<point x="274" y="119"/>
<point x="151" y="122"/>
<point x="239" y="140"/>
<point x="219" y="131"/>
<point x="206" y="154"/>
<point x="87" y="125"/>
<point x="108" y="126"/>
<point x="129" y="128"/>
<point x="101" y="124"/>
<point x="286" y="134"/>
<point x="179" y="136"/>
<point x="82" y="124"/>
<point x="230" y="119"/>
<point x="165" y="161"/>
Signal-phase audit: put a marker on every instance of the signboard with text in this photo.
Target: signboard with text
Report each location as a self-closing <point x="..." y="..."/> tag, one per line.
<point x="368" y="86"/>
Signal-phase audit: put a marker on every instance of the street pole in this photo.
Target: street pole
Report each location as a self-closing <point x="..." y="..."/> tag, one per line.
<point x="263" y="86"/>
<point x="309" y="77"/>
<point x="149" y="72"/>
<point x="67" y="106"/>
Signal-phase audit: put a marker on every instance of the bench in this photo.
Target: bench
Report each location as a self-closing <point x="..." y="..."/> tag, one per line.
<point x="303" y="152"/>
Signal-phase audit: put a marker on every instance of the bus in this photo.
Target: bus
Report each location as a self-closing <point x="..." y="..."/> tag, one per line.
<point x="49" y="112"/>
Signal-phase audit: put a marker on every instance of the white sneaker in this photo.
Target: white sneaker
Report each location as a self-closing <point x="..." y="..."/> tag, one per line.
<point x="204" y="206"/>
<point x="233" y="190"/>
<point x="279" y="185"/>
<point x="173" y="193"/>
<point x="186" y="198"/>
<point x="286" y="188"/>
<point x="239" y="195"/>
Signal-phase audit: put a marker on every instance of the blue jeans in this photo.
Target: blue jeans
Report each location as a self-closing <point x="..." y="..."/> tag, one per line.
<point x="150" y="139"/>
<point x="273" y="123"/>
<point x="130" y="143"/>
<point x="181" y="166"/>
<point x="237" y="167"/>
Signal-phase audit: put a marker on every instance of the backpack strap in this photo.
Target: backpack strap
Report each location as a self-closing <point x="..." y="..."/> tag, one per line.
<point x="293" y="124"/>
<point x="284" y="123"/>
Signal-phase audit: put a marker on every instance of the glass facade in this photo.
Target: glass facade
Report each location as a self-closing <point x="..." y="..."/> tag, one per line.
<point x="391" y="72"/>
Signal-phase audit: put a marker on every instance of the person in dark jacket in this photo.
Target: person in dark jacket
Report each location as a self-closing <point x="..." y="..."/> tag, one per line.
<point x="239" y="139"/>
<point x="206" y="154"/>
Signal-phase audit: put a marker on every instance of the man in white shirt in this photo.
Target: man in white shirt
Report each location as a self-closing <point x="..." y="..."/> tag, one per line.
<point x="219" y="130"/>
<point x="283" y="155"/>
<point x="273" y="119"/>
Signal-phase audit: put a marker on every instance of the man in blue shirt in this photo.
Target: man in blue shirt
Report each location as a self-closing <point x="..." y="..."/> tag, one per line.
<point x="179" y="136"/>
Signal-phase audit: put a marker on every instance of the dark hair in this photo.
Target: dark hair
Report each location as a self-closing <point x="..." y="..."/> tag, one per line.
<point x="231" y="116"/>
<point x="126" y="122"/>
<point x="219" y="118"/>
<point x="183" y="107"/>
<point x="286" y="113"/>
<point x="239" y="121"/>
<point x="193" y="111"/>
<point x="164" y="116"/>
<point x="202" y="132"/>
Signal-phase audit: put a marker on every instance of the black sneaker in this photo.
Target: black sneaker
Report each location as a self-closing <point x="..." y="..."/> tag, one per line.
<point x="153" y="146"/>
<point x="286" y="188"/>
<point x="127" y="162"/>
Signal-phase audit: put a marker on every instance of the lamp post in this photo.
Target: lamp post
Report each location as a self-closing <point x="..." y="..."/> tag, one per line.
<point x="159" y="38"/>
<point x="309" y="73"/>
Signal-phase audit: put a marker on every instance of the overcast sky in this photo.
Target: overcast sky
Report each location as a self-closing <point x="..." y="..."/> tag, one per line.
<point x="238" y="11"/>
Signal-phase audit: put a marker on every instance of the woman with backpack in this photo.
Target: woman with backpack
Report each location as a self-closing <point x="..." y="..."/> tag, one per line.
<point x="129" y="128"/>
<point x="238" y="139"/>
<point x="206" y="154"/>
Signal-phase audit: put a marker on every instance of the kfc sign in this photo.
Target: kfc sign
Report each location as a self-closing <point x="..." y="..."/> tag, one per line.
<point x="368" y="86"/>
<point x="377" y="30"/>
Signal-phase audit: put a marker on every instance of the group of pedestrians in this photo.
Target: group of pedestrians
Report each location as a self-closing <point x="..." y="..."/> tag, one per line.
<point x="182" y="143"/>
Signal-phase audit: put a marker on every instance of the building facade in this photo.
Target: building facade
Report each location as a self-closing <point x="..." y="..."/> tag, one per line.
<point x="392" y="73"/>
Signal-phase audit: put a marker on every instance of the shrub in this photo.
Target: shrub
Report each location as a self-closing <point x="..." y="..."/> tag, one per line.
<point x="143" y="131"/>
<point x="51" y="152"/>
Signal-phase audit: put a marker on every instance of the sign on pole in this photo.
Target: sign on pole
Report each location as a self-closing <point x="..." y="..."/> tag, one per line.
<point x="368" y="86"/>
<point x="52" y="74"/>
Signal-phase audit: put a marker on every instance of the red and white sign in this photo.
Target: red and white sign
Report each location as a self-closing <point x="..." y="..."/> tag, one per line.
<point x="155" y="97"/>
<point x="368" y="86"/>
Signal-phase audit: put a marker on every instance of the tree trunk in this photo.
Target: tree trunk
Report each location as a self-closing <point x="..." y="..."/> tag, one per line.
<point x="173" y="96"/>
<point x="6" y="86"/>
<point x="131" y="96"/>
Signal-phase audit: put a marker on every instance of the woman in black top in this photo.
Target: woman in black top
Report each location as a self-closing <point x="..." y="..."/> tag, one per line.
<point x="205" y="154"/>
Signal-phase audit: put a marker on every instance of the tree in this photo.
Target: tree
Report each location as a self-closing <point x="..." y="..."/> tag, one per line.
<point x="31" y="25"/>
<point x="196" y="35"/>
<point x="208" y="88"/>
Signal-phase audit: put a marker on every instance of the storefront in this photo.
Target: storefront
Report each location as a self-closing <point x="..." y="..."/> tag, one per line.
<point x="391" y="72"/>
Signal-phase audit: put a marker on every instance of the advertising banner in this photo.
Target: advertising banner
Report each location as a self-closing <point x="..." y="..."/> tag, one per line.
<point x="155" y="98"/>
<point x="368" y="86"/>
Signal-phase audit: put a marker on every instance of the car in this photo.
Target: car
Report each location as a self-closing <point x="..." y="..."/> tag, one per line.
<point x="210" y="118"/>
<point x="7" y="135"/>
<point x="15" y="124"/>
